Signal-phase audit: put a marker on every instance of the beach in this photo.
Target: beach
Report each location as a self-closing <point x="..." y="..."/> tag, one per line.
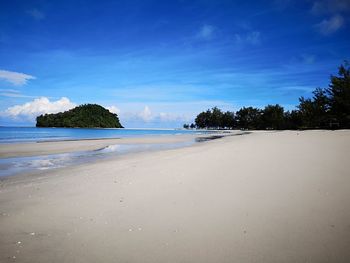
<point x="266" y="196"/>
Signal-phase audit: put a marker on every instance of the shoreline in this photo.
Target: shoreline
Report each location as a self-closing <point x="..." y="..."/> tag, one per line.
<point x="27" y="134"/>
<point x="32" y="158"/>
<point x="65" y="146"/>
<point x="26" y="149"/>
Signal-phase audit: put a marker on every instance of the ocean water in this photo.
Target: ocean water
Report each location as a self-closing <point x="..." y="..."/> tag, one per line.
<point x="33" y="134"/>
<point x="19" y="165"/>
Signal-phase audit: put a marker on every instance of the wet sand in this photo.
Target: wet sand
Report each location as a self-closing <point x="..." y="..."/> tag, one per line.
<point x="261" y="197"/>
<point x="65" y="146"/>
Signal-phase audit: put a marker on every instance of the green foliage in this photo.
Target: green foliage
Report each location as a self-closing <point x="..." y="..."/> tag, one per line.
<point x="292" y="120"/>
<point x="248" y="118"/>
<point x="188" y="126"/>
<point x="339" y="96"/>
<point x="328" y="108"/>
<point x="306" y="110"/>
<point x="83" y="116"/>
<point x="215" y="119"/>
<point x="314" y="112"/>
<point x="273" y="117"/>
<point x="228" y="119"/>
<point x="203" y="119"/>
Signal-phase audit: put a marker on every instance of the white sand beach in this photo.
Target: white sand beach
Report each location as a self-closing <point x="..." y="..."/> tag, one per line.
<point x="262" y="197"/>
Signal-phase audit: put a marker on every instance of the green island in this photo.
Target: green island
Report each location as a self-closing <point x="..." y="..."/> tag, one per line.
<point x="83" y="116"/>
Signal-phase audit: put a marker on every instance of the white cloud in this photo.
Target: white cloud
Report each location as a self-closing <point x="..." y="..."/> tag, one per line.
<point x="15" y="78"/>
<point x="38" y="106"/>
<point x="206" y="32"/>
<point x="166" y="116"/>
<point x="146" y="114"/>
<point x="148" y="118"/>
<point x="330" y="26"/>
<point x="113" y="109"/>
<point x="252" y="38"/>
<point x="36" y="14"/>
<point x="170" y="117"/>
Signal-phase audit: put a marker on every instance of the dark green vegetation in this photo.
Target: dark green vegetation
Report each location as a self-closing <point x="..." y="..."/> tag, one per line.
<point x="328" y="109"/>
<point x="83" y="116"/>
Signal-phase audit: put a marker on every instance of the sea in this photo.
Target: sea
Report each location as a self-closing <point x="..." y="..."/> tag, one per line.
<point x="34" y="134"/>
<point x="36" y="164"/>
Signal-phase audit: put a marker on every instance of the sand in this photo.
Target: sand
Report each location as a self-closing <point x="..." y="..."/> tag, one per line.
<point x="262" y="197"/>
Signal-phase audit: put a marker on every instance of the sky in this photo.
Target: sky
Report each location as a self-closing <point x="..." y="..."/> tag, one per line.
<point x="159" y="63"/>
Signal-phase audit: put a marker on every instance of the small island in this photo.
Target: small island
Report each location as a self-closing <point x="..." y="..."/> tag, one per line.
<point x="83" y="116"/>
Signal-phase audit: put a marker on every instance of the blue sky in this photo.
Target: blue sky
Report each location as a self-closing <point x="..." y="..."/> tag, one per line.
<point x="159" y="63"/>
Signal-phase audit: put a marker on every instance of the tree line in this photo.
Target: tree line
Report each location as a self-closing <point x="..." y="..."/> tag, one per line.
<point x="328" y="108"/>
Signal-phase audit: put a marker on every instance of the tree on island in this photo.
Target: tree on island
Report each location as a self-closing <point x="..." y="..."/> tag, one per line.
<point x="83" y="116"/>
<point x="328" y="108"/>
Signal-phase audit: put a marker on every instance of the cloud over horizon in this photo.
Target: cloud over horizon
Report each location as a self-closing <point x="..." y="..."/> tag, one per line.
<point x="153" y="119"/>
<point x="113" y="109"/>
<point x="30" y="110"/>
<point x="146" y="114"/>
<point x="36" y="107"/>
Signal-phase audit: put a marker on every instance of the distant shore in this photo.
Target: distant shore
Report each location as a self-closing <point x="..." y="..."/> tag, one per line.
<point x="269" y="196"/>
